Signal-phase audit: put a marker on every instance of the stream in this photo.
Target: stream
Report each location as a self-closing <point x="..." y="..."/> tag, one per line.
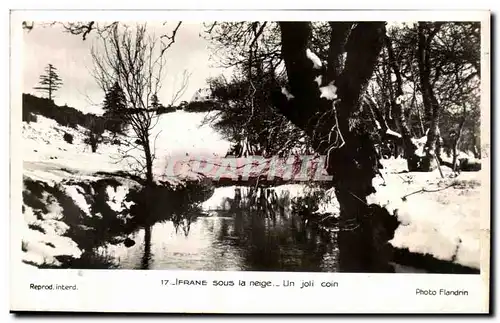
<point x="233" y="239"/>
<point x="229" y="241"/>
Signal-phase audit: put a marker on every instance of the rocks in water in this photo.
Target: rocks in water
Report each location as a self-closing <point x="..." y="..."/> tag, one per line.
<point x="128" y="242"/>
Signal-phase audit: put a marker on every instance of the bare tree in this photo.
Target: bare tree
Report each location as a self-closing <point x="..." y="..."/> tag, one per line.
<point x="134" y="59"/>
<point x="179" y="92"/>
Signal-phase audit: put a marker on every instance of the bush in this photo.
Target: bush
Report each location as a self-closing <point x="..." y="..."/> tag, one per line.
<point x="31" y="118"/>
<point x="28" y="116"/>
<point x="200" y="106"/>
<point x="169" y="109"/>
<point x="68" y="138"/>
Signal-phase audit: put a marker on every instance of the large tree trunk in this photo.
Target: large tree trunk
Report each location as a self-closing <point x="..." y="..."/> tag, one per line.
<point x="340" y="32"/>
<point x="353" y="160"/>
<point x="431" y="105"/>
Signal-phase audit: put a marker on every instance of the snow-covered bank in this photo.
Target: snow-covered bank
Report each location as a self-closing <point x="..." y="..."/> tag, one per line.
<point x="66" y="218"/>
<point x="439" y="216"/>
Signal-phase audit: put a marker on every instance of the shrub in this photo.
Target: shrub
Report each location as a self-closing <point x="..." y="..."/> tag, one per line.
<point x="29" y="117"/>
<point x="199" y="106"/>
<point x="68" y="138"/>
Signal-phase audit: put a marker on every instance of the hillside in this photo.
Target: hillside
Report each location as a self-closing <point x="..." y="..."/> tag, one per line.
<point x="70" y="193"/>
<point x="177" y="134"/>
<point x="34" y="106"/>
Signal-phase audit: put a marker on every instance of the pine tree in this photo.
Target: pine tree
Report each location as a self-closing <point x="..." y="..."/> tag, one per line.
<point x="113" y="106"/>
<point x="50" y="81"/>
<point x="158" y="106"/>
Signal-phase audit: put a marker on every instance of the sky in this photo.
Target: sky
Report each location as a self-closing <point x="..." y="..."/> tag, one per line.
<point x="71" y="56"/>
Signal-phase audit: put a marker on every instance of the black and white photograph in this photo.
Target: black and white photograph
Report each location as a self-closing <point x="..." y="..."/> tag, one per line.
<point x="253" y="146"/>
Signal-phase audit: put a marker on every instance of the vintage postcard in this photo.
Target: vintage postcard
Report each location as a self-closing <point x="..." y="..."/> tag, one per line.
<point x="246" y="161"/>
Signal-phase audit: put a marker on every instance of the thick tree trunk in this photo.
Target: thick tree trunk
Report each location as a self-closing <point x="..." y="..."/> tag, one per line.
<point x="340" y="32"/>
<point x="353" y="161"/>
<point x="431" y="106"/>
<point x="432" y="147"/>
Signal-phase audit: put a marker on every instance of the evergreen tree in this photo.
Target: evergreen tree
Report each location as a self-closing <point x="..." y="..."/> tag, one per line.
<point x="113" y="106"/>
<point x="50" y="81"/>
<point x="155" y="103"/>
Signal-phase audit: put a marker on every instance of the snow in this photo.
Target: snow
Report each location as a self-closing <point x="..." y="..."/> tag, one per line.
<point x="41" y="248"/>
<point x="314" y="59"/>
<point x="49" y="158"/>
<point x="329" y="91"/>
<point x="288" y="95"/>
<point x="117" y="196"/>
<point x="77" y="194"/>
<point x="392" y="133"/>
<point x="445" y="223"/>
<point x="53" y="227"/>
<point x="329" y="204"/>
<point x="217" y="200"/>
<point x="420" y="143"/>
<point x="318" y="80"/>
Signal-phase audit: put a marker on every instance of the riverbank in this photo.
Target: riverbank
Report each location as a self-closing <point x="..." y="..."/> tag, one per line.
<point x="440" y="217"/>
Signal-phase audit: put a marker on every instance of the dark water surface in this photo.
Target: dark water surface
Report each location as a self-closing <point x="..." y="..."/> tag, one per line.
<point x="229" y="241"/>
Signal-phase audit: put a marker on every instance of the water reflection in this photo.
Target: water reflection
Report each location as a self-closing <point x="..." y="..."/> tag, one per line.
<point x="147" y="257"/>
<point x="255" y="230"/>
<point x="229" y="241"/>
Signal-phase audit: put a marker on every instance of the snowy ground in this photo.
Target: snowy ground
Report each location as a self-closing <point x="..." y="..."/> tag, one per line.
<point x="179" y="134"/>
<point x="441" y="217"/>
